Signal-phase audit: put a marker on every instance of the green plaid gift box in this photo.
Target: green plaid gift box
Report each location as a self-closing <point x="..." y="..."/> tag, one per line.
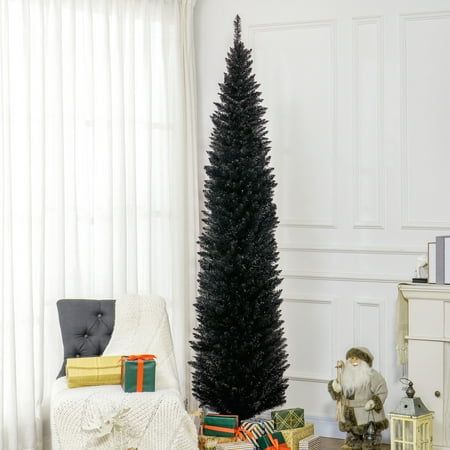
<point x="286" y="419"/>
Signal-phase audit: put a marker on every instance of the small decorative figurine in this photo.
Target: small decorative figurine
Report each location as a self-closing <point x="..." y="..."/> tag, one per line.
<point x="360" y="392"/>
<point x="421" y="272"/>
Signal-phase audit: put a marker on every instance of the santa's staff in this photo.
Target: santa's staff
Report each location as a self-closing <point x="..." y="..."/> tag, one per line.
<point x="339" y="403"/>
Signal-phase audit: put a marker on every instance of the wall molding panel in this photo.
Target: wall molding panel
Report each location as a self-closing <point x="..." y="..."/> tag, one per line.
<point x="297" y="376"/>
<point x="345" y="276"/>
<point x="327" y="43"/>
<point x="408" y="221"/>
<point x="362" y="328"/>
<point x="368" y="120"/>
<point x="330" y="305"/>
<point x="274" y="26"/>
<point x="388" y="251"/>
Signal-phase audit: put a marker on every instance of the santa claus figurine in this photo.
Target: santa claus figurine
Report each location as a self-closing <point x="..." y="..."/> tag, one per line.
<point x="360" y="392"/>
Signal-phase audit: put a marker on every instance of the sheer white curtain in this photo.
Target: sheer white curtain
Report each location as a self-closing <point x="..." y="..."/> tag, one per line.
<point x="98" y="191"/>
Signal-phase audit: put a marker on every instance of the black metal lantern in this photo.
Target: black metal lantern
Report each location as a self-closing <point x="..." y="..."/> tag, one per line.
<point x="370" y="434"/>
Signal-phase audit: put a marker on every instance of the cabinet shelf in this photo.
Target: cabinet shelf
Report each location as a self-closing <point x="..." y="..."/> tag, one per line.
<point x="427" y="338"/>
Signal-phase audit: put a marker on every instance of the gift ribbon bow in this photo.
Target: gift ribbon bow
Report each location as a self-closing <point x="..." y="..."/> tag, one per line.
<point x="275" y="445"/>
<point x="245" y="435"/>
<point x="140" y="368"/>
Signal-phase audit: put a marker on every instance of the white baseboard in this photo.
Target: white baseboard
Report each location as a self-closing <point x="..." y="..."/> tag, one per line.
<point x="328" y="427"/>
<point x="325" y="426"/>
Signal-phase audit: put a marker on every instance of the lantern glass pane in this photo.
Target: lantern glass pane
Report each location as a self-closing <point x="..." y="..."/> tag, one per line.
<point x="409" y="447"/>
<point x="399" y="446"/>
<point x="398" y="430"/>
<point x="409" y="433"/>
<point x="420" y="437"/>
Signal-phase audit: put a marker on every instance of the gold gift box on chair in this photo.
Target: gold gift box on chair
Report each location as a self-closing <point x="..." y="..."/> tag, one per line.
<point x="93" y="371"/>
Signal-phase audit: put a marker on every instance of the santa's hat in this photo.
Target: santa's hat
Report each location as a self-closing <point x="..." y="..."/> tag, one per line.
<point x="362" y="353"/>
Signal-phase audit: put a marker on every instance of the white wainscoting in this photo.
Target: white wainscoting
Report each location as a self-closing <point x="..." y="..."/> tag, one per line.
<point x="358" y="97"/>
<point x="304" y="318"/>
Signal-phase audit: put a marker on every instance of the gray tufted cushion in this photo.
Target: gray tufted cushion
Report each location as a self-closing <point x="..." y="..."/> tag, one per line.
<point x="86" y="327"/>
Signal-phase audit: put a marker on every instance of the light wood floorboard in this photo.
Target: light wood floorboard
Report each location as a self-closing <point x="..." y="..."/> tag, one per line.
<point x="335" y="444"/>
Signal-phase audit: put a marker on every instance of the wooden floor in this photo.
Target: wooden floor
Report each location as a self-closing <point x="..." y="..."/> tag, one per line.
<point x="335" y="444"/>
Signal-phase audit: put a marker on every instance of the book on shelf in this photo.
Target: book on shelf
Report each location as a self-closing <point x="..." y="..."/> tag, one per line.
<point x="432" y="262"/>
<point x="442" y="259"/>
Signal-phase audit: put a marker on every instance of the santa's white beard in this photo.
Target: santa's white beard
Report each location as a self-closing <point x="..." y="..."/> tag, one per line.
<point x="355" y="377"/>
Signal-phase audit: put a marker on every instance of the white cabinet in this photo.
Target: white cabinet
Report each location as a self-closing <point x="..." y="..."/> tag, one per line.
<point x="426" y="370"/>
<point x="429" y="352"/>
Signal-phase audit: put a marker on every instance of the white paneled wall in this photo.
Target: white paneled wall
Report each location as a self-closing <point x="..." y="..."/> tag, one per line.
<point x="358" y="97"/>
<point x="282" y="53"/>
<point x="367" y="72"/>
<point x="425" y="110"/>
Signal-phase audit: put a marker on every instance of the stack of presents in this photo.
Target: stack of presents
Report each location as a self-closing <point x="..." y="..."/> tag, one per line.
<point x="283" y="430"/>
<point x="136" y="373"/>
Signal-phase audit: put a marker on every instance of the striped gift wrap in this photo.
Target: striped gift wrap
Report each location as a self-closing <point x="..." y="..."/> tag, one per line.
<point x="255" y="428"/>
<point x="236" y="446"/>
<point x="310" y="443"/>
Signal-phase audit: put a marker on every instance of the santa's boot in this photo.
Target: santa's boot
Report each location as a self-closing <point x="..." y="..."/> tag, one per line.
<point x="353" y="441"/>
<point x="374" y="444"/>
<point x="371" y="446"/>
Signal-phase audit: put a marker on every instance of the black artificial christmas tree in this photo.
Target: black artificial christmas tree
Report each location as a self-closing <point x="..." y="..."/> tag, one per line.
<point x="240" y="350"/>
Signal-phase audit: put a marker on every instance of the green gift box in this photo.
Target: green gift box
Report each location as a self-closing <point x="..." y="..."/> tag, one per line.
<point x="265" y="442"/>
<point x="138" y="373"/>
<point x="287" y="419"/>
<point x="220" y="425"/>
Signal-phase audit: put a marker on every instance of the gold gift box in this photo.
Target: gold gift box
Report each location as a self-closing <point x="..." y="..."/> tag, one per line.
<point x="93" y="371"/>
<point x="202" y="440"/>
<point x="295" y="435"/>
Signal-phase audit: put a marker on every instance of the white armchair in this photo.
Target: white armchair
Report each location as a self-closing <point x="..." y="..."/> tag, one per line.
<point x="105" y="417"/>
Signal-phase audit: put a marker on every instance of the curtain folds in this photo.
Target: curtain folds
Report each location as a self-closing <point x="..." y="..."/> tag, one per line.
<point x="98" y="193"/>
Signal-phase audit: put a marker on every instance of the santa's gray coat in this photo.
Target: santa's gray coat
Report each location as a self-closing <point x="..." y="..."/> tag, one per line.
<point x="355" y="414"/>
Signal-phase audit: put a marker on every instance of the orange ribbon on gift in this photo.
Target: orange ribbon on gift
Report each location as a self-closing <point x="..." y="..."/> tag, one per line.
<point x="276" y="445"/>
<point x="244" y="435"/>
<point x="232" y="431"/>
<point x="239" y="432"/>
<point x="140" y="368"/>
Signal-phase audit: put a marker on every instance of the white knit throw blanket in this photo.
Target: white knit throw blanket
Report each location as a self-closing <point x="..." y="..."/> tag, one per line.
<point x="105" y="417"/>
